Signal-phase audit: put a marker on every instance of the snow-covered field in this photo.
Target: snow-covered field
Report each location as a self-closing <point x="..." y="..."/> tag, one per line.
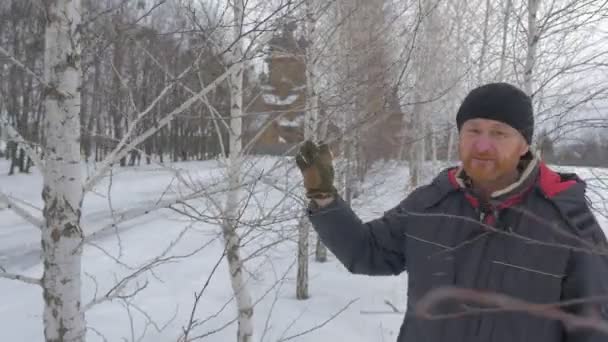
<point x="164" y="306"/>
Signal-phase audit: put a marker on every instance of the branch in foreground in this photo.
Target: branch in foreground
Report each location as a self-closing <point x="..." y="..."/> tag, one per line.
<point x="322" y="324"/>
<point x="131" y="214"/>
<point x="107" y="163"/>
<point x="22" y="66"/>
<point x="193" y="322"/>
<point x="11" y="276"/>
<point x="24" y="214"/>
<point x="117" y="291"/>
<point x="229" y="323"/>
<point x="497" y="302"/>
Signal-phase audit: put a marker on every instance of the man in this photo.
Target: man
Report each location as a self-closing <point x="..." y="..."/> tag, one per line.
<point x="501" y="222"/>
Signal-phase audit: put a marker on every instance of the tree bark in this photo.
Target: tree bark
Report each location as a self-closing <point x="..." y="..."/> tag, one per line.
<point x="302" y="274"/>
<point x="320" y="251"/>
<point x="505" y="31"/>
<point x="116" y="106"/>
<point x="451" y="139"/>
<point x="484" y="43"/>
<point x="532" y="46"/>
<point x="62" y="189"/>
<point x="230" y="225"/>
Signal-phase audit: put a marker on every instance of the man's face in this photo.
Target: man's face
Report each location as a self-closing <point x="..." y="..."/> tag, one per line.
<point x="490" y="150"/>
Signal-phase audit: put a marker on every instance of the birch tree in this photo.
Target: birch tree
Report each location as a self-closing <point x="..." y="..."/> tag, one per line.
<point x="64" y="186"/>
<point x="533" y="38"/>
<point x="508" y="4"/>
<point x="484" y="42"/>
<point x="311" y="129"/>
<point x="229" y="228"/>
<point x="62" y="190"/>
<point x="425" y="61"/>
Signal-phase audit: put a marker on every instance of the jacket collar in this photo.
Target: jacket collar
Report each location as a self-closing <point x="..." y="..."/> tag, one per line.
<point x="534" y="173"/>
<point x="529" y="167"/>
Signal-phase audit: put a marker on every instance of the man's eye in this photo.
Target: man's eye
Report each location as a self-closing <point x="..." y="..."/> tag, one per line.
<point x="499" y="134"/>
<point x="474" y="130"/>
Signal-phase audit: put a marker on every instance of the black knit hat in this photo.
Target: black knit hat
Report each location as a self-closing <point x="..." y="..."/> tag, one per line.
<point x="501" y="102"/>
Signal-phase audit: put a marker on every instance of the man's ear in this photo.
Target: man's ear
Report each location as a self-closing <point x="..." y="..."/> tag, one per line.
<point x="524" y="149"/>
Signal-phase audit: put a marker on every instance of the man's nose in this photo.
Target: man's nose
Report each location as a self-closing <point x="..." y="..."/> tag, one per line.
<point x="483" y="144"/>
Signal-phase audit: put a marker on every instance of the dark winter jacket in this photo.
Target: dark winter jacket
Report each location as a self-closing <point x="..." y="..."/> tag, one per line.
<point x="539" y="251"/>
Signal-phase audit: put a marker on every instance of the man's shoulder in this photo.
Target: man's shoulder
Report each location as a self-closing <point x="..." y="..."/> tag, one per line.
<point x="567" y="192"/>
<point x="429" y="194"/>
<point x="560" y="185"/>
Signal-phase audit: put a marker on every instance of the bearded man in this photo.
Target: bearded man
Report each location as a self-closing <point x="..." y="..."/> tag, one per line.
<point x="501" y="222"/>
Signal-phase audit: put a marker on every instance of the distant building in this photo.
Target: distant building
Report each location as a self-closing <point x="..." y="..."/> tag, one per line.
<point x="277" y="113"/>
<point x="276" y="116"/>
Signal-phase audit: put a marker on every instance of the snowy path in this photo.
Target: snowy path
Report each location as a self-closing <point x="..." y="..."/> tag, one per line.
<point x="20" y="245"/>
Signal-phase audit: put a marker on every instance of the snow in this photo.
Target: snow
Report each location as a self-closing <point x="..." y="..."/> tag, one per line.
<point x="267" y="87"/>
<point x="298" y="121"/>
<point x="259" y="120"/>
<point x="169" y="294"/>
<point x="278" y="101"/>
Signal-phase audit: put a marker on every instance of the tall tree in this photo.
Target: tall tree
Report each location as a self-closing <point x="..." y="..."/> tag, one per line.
<point x="62" y="189"/>
<point x="235" y="159"/>
<point x="531" y="51"/>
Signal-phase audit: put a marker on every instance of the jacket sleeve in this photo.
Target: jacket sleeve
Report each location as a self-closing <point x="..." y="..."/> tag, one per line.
<point x="373" y="248"/>
<point x="587" y="276"/>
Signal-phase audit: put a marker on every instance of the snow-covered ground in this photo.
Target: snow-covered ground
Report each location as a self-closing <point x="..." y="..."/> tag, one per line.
<point x="168" y="297"/>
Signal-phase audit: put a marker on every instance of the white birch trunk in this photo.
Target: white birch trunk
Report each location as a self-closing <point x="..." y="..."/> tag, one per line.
<point x="342" y="65"/>
<point x="320" y="251"/>
<point x="417" y="151"/>
<point x="433" y="144"/>
<point x="302" y="274"/>
<point x="532" y="46"/>
<point x="351" y="165"/>
<point x="451" y="138"/>
<point x="405" y="130"/>
<point x="484" y="43"/>
<point x="349" y="32"/>
<point x="425" y="59"/>
<point x="311" y="132"/>
<point x="230" y="224"/>
<point x="505" y="32"/>
<point x="62" y="190"/>
<point x="316" y="129"/>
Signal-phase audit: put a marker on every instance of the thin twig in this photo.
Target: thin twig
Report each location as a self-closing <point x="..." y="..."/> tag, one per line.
<point x="18" y="277"/>
<point x="319" y="326"/>
<point x="497" y="302"/>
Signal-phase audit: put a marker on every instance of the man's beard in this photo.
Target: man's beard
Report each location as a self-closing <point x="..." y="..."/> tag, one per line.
<point x="482" y="169"/>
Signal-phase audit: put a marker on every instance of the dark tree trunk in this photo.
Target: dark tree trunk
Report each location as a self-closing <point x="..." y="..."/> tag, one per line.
<point x="21" y="160"/>
<point x="12" y="152"/>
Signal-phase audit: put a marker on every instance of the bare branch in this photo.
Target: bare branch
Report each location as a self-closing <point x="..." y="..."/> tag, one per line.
<point x="22" y="66"/>
<point x="117" y="291"/>
<point x="319" y="326"/>
<point x="107" y="163"/>
<point x="496" y="302"/>
<point x="192" y="322"/>
<point x="98" y="333"/>
<point x="24" y="214"/>
<point x="138" y="212"/>
<point x="18" y="277"/>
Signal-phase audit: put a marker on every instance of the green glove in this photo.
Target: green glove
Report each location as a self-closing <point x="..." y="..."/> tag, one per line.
<point x="315" y="162"/>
